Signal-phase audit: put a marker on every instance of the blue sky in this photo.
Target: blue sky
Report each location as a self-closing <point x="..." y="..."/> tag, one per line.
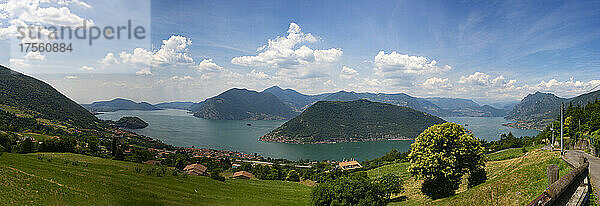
<point x="486" y="51"/>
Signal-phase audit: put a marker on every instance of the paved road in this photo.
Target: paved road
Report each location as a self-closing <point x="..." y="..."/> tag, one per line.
<point x="573" y="156"/>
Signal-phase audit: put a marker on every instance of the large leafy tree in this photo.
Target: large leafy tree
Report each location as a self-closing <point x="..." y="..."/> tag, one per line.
<point x="441" y="155"/>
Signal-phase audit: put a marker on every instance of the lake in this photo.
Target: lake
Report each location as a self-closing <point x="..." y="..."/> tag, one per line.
<point x="178" y="128"/>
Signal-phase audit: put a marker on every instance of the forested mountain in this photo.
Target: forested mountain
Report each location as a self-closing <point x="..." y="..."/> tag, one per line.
<point x="293" y="98"/>
<point x="536" y="110"/>
<point x="242" y="104"/>
<point x="360" y="120"/>
<point x="584" y="99"/>
<point x="539" y="109"/>
<point x="174" y="105"/>
<point x="118" y="104"/>
<point x="40" y="100"/>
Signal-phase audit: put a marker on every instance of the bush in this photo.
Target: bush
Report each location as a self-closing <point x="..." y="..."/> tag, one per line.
<point x="150" y="171"/>
<point x="215" y="174"/>
<point x="293" y="176"/>
<point x="161" y="171"/>
<point x="441" y="155"/>
<point x="348" y="190"/>
<point x="390" y="184"/>
<point x="138" y="170"/>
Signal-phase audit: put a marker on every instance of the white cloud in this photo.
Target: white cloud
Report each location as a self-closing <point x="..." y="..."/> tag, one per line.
<point x="485" y="80"/>
<point x="208" y="66"/>
<point x="348" y="73"/>
<point x="71" y="77"/>
<point x="436" y="83"/>
<point x="567" y="88"/>
<point x="281" y="53"/>
<point x="29" y="13"/>
<point x="75" y="2"/>
<point x="184" y="78"/>
<point x="173" y="52"/>
<point x="144" y="72"/>
<point x="19" y="63"/>
<point x="86" y="68"/>
<point x="109" y="59"/>
<point x="35" y="56"/>
<point x="395" y="63"/>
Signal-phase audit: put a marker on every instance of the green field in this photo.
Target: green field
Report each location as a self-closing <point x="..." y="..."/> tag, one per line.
<point x="29" y="180"/>
<point x="514" y="181"/>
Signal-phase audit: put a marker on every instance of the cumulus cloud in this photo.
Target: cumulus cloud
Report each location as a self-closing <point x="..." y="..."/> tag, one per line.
<point x="208" y="66"/>
<point x="402" y="64"/>
<point x="348" y="73"/>
<point x="35" y="56"/>
<point x="144" y="72"/>
<point x="109" y="59"/>
<point x="86" y="68"/>
<point x="436" y="83"/>
<point x="19" y="63"/>
<point x="178" y="78"/>
<point x="283" y="53"/>
<point x="30" y="13"/>
<point x="71" y="77"/>
<point x="173" y="51"/>
<point x="485" y="80"/>
<point x="568" y="88"/>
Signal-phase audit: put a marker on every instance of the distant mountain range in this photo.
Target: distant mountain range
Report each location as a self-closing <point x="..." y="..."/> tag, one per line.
<point x="277" y="103"/>
<point x="435" y="106"/>
<point x="537" y="110"/>
<point x="19" y="92"/>
<point x="118" y="104"/>
<point x="359" y="120"/>
<point x="175" y="105"/>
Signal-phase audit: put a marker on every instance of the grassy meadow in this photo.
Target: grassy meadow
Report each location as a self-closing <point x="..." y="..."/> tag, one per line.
<point x="513" y="181"/>
<point x="55" y="179"/>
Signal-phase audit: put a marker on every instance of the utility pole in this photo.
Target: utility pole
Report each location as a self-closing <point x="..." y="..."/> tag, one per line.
<point x="562" y="149"/>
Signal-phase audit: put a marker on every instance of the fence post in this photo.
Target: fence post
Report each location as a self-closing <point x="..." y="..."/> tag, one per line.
<point x="552" y="174"/>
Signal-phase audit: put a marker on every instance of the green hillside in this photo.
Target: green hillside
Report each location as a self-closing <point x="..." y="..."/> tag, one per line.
<point x="26" y="179"/>
<point x="26" y="93"/>
<point x="358" y="120"/>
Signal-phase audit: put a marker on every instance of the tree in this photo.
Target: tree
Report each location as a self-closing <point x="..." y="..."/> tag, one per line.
<point x="348" y="190"/>
<point x="441" y="155"/>
<point x="293" y="176"/>
<point x="390" y="184"/>
<point x="26" y="146"/>
<point x="215" y="174"/>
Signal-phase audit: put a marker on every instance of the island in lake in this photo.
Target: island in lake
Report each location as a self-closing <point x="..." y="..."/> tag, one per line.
<point x="352" y="121"/>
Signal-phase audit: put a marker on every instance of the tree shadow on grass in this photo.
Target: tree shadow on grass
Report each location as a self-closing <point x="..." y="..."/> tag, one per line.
<point x="399" y="199"/>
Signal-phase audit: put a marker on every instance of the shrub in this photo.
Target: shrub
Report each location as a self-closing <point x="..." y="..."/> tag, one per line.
<point x="441" y="155"/>
<point x="215" y="174"/>
<point x="293" y="176"/>
<point x="150" y="171"/>
<point x="138" y="170"/>
<point x="161" y="171"/>
<point x="390" y="184"/>
<point x="348" y="190"/>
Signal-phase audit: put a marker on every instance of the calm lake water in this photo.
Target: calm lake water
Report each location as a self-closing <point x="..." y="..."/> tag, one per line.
<point x="177" y="127"/>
